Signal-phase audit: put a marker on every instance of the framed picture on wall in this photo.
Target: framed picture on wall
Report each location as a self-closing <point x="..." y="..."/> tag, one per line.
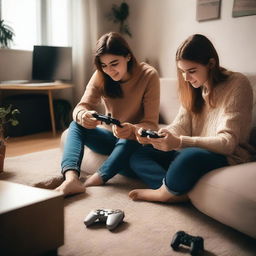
<point x="207" y="10"/>
<point x="244" y="8"/>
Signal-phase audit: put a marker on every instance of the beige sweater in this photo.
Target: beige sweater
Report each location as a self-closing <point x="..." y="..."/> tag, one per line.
<point x="224" y="129"/>
<point x="139" y="105"/>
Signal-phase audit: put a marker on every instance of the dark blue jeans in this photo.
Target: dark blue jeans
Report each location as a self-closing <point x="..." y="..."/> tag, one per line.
<point x="179" y="170"/>
<point x="103" y="142"/>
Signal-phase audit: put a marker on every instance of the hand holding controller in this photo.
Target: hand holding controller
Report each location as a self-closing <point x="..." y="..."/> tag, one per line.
<point x="107" y="119"/>
<point x="151" y="134"/>
<point x="112" y="217"/>
<point x="195" y="242"/>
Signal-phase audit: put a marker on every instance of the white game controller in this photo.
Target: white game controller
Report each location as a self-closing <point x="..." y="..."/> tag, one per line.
<point x="112" y="217"/>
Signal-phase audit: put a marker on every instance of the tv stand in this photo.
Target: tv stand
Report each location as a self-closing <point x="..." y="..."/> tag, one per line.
<point x="43" y="87"/>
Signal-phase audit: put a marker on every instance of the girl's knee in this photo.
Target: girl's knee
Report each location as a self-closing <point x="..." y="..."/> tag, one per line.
<point x="194" y="153"/>
<point x="129" y="146"/>
<point x="125" y="142"/>
<point x="136" y="158"/>
<point x="74" y="125"/>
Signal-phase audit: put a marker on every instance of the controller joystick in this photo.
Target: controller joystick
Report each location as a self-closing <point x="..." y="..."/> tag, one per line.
<point x="112" y="218"/>
<point x="196" y="243"/>
<point x="107" y="119"/>
<point x="151" y="134"/>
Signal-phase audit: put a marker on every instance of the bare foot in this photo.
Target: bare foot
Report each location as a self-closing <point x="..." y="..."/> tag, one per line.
<point x="94" y="180"/>
<point x="157" y="195"/>
<point x="71" y="185"/>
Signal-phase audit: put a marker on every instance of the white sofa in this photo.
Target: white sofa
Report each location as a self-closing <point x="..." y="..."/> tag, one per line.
<point x="227" y="194"/>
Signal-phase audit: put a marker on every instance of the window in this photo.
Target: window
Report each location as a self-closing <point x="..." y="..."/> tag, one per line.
<point x="21" y="15"/>
<point x="58" y="22"/>
<point x="37" y="22"/>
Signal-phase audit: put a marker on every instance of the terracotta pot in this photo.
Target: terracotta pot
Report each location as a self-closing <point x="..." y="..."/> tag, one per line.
<point x="2" y="155"/>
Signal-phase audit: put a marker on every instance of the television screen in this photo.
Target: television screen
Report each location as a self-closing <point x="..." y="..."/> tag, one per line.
<point x="51" y="63"/>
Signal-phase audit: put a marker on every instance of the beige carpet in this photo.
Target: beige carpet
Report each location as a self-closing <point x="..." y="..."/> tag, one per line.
<point x="39" y="169"/>
<point x="148" y="227"/>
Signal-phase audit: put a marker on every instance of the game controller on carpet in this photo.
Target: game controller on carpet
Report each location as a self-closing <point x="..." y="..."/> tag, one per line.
<point x="107" y="119"/>
<point x="112" y="218"/>
<point x="196" y="243"/>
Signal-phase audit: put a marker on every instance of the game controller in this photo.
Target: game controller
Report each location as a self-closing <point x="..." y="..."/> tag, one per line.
<point x="196" y="243"/>
<point x="112" y="217"/>
<point x="107" y="119"/>
<point x="151" y="134"/>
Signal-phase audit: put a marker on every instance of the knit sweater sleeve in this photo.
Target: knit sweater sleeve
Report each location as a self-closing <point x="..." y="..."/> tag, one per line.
<point x="181" y="124"/>
<point x="234" y="124"/>
<point x="91" y="97"/>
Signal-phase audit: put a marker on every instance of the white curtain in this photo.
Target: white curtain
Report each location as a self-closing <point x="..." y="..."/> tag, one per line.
<point x="84" y="36"/>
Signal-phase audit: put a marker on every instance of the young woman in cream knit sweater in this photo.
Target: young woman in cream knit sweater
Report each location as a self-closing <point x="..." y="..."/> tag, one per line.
<point x="210" y="131"/>
<point x="130" y="92"/>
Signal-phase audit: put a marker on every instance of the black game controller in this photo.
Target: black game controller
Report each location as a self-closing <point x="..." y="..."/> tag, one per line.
<point x="151" y="134"/>
<point x="196" y="243"/>
<point x="112" y="217"/>
<point x="107" y="119"/>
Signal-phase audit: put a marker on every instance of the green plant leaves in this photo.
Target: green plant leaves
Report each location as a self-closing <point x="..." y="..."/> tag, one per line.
<point x="6" y="34"/>
<point x="7" y="115"/>
<point x="119" y="14"/>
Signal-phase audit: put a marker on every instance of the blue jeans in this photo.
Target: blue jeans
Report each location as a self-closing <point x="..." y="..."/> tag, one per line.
<point x="179" y="170"/>
<point x="103" y="142"/>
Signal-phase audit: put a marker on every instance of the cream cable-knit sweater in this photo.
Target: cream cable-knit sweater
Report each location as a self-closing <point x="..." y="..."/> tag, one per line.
<point x="140" y="104"/>
<point x="224" y="129"/>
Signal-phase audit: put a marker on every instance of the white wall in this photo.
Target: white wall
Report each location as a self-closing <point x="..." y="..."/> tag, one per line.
<point x="159" y="26"/>
<point x="15" y="64"/>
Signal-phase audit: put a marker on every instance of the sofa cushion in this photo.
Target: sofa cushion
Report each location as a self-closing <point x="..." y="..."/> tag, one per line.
<point x="169" y="101"/>
<point x="228" y="195"/>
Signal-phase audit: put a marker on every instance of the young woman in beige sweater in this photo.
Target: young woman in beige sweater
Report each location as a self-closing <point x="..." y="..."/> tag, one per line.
<point x="130" y="93"/>
<point x="210" y="131"/>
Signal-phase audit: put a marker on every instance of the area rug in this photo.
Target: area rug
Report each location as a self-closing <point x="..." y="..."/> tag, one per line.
<point x="148" y="228"/>
<point x="38" y="169"/>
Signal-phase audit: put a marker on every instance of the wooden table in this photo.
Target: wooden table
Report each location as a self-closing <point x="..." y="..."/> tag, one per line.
<point x="31" y="220"/>
<point x="46" y="87"/>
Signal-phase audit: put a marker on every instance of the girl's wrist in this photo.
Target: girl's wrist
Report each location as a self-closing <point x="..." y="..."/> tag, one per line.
<point x="179" y="141"/>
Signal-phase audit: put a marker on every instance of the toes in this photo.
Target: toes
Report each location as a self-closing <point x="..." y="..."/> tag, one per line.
<point x="133" y="194"/>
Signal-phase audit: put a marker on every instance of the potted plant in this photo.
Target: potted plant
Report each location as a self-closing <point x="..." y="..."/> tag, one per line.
<point x="7" y="116"/>
<point x="120" y="14"/>
<point x="6" y="34"/>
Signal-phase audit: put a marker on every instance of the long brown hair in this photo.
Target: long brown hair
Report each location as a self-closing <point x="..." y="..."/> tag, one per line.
<point x="199" y="49"/>
<point x="113" y="43"/>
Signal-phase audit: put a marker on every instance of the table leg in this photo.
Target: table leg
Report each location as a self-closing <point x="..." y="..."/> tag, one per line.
<point x="52" y="112"/>
<point x="1" y="97"/>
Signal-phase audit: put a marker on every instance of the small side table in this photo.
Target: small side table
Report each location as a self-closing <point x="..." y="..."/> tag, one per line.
<point x="31" y="220"/>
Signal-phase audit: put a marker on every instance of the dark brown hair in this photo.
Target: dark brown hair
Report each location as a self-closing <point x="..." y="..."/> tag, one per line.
<point x="113" y="43"/>
<point x="199" y="49"/>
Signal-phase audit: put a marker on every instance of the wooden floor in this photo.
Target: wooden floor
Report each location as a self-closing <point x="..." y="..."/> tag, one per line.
<point x="31" y="143"/>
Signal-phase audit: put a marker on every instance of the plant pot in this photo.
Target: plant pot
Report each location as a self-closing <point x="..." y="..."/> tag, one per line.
<point x="2" y="155"/>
